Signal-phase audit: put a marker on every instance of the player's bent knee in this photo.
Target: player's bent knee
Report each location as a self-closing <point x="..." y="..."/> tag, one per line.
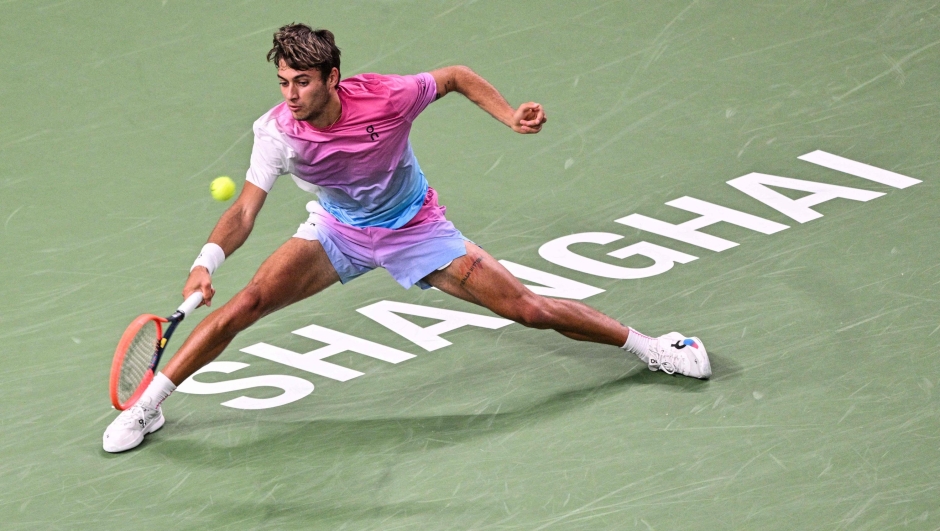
<point x="246" y="307"/>
<point x="531" y="312"/>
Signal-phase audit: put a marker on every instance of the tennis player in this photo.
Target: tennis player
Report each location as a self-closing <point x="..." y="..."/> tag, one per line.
<point x="346" y="140"/>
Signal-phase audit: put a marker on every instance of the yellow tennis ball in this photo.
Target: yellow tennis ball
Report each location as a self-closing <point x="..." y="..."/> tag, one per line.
<point x="222" y="188"/>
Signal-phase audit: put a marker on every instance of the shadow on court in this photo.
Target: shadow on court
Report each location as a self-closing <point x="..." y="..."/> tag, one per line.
<point x="272" y="512"/>
<point x="404" y="434"/>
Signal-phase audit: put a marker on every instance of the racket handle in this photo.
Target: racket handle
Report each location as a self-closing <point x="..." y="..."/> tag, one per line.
<point x="190" y="303"/>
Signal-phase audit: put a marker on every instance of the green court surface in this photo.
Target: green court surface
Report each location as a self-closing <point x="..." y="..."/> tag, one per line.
<point x="823" y="409"/>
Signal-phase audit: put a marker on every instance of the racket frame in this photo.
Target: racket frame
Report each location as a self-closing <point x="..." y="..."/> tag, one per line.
<point x="117" y="362"/>
<point x="121" y="350"/>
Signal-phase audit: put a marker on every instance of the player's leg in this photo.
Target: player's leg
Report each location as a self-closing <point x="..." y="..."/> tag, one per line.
<point x="479" y="278"/>
<point x="298" y="269"/>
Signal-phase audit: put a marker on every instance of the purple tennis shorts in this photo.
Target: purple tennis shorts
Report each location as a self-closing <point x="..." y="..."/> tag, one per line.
<point x="426" y="243"/>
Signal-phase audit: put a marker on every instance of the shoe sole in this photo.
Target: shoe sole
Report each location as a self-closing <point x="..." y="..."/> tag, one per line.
<point x="156" y="425"/>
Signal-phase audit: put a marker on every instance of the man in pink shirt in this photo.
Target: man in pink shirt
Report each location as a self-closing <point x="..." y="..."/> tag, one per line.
<point x="347" y="142"/>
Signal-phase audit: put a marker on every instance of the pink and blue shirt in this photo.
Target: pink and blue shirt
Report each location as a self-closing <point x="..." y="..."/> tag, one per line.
<point x="362" y="168"/>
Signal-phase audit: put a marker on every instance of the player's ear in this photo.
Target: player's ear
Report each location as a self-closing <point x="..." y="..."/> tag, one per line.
<point x="333" y="79"/>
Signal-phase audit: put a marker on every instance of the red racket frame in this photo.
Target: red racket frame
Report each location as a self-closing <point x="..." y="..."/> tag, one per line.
<point x="118" y="360"/>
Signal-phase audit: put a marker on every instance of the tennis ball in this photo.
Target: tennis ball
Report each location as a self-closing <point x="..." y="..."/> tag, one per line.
<point x="222" y="188"/>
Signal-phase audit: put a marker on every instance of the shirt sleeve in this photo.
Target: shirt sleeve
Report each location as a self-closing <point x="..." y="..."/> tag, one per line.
<point x="412" y="94"/>
<point x="268" y="158"/>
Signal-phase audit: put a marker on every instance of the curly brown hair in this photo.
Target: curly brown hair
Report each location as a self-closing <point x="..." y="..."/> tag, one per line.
<point x="304" y="48"/>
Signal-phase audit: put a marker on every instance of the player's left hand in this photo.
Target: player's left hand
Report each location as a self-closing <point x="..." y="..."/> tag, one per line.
<point x="528" y="118"/>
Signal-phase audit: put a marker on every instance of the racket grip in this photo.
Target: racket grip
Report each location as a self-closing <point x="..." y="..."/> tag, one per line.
<point x="190" y="303"/>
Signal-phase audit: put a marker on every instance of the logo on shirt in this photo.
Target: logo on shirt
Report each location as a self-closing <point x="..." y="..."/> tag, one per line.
<point x="372" y="134"/>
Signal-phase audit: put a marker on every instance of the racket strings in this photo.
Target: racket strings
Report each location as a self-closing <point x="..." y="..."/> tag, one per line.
<point x="137" y="360"/>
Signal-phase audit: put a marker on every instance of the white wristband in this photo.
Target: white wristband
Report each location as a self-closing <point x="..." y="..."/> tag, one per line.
<point x="211" y="257"/>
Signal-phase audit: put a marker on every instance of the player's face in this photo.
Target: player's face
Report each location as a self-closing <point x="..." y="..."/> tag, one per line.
<point x="305" y="92"/>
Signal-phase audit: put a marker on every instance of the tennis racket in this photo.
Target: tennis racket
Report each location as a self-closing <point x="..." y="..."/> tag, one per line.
<point x="139" y="350"/>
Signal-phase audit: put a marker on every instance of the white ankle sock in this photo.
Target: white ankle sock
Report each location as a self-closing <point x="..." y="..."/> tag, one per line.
<point x="638" y="344"/>
<point x="158" y="390"/>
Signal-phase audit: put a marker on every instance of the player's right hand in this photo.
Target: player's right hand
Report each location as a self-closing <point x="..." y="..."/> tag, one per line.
<point x="199" y="280"/>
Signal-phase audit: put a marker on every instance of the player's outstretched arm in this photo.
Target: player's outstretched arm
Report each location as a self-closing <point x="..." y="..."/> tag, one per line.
<point x="527" y="118"/>
<point x="229" y="233"/>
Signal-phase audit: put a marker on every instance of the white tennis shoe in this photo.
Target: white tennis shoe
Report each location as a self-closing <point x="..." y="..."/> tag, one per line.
<point x="128" y="429"/>
<point x="674" y="353"/>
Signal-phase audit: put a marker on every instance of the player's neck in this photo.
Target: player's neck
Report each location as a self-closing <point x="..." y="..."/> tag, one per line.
<point x="330" y="115"/>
